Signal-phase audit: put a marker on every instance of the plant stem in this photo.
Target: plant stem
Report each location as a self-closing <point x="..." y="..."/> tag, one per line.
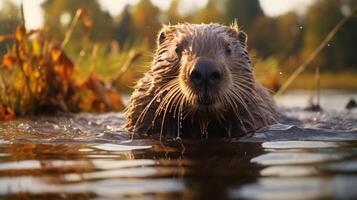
<point x="69" y="32"/>
<point x="303" y="66"/>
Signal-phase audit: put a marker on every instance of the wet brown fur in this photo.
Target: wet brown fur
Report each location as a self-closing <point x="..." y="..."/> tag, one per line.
<point x="165" y="104"/>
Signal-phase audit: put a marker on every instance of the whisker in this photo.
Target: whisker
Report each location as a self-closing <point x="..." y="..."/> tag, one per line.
<point x="143" y="114"/>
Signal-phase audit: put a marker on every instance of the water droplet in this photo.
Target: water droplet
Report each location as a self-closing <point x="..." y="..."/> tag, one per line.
<point x="280" y="73"/>
<point x="301" y="27"/>
<point x="328" y="45"/>
<point x="25" y="127"/>
<point x="134" y="128"/>
<point x="77" y="130"/>
<point x="346" y="10"/>
<point x="89" y="123"/>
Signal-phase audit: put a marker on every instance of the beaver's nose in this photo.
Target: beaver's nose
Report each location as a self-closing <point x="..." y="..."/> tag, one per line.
<point x="205" y="73"/>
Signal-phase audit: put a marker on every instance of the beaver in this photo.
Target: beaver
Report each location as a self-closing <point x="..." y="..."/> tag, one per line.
<point x="200" y="84"/>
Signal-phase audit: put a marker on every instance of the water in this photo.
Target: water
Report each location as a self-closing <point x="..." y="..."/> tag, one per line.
<point x="309" y="155"/>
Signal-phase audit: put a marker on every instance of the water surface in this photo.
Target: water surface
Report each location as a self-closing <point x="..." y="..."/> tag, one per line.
<point x="309" y="155"/>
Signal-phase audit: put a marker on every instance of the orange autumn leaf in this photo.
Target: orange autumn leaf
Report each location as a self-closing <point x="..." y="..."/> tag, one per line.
<point x="36" y="74"/>
<point x="20" y="32"/>
<point x="8" y="60"/>
<point x="56" y="52"/>
<point x="27" y="68"/>
<point x="64" y="67"/>
<point x="9" y="114"/>
<point x="6" y="113"/>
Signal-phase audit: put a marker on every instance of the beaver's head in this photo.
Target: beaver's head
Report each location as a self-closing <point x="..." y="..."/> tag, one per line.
<point x="201" y="81"/>
<point x="206" y="66"/>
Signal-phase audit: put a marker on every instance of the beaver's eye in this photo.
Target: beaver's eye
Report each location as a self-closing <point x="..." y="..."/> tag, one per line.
<point x="228" y="50"/>
<point x="178" y="49"/>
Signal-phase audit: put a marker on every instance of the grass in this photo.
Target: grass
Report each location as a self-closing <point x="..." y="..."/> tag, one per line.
<point x="118" y="67"/>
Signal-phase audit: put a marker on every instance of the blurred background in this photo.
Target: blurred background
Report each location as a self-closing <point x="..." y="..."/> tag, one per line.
<point x="112" y="41"/>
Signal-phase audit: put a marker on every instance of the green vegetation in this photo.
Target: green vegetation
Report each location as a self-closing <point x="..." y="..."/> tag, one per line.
<point x="84" y="56"/>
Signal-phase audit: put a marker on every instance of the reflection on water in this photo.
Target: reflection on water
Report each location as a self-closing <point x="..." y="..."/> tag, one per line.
<point x="162" y="170"/>
<point x="307" y="156"/>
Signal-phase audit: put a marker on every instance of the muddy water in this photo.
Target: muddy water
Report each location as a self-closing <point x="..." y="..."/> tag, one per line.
<point x="309" y="155"/>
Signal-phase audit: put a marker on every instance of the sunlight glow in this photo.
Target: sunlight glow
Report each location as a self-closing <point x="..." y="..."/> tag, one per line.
<point x="188" y="6"/>
<point x="34" y="13"/>
<point x="162" y="4"/>
<point x="115" y="7"/>
<point x="278" y="7"/>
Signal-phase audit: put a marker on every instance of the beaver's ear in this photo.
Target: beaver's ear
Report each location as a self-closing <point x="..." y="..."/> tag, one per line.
<point x="161" y="38"/>
<point x="162" y="34"/>
<point x="242" y="37"/>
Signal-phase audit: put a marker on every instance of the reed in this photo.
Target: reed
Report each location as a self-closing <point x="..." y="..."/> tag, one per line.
<point x="311" y="57"/>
